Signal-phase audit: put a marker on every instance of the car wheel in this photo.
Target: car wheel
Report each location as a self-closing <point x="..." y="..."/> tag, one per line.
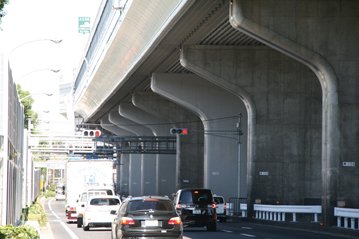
<point x="86" y="228"/>
<point x="79" y="222"/>
<point x="212" y="227"/>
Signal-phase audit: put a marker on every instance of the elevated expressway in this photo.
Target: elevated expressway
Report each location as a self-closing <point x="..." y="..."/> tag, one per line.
<point x="268" y="91"/>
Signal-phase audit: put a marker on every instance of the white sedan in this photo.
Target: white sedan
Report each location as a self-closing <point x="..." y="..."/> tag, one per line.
<point x="100" y="211"/>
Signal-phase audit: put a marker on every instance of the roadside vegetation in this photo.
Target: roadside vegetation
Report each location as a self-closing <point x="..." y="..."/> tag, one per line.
<point x="34" y="213"/>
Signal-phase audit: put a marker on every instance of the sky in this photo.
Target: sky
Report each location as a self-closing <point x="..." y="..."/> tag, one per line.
<point x="24" y="34"/>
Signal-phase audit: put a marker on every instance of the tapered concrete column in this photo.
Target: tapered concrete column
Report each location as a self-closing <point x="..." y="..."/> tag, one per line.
<point x="150" y="162"/>
<point x="283" y="125"/>
<point x="174" y="114"/>
<point x="219" y="112"/>
<point x="122" y="160"/>
<point x="332" y="54"/>
<point x="134" y="163"/>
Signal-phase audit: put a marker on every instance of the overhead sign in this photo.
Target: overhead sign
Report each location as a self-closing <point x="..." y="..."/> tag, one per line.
<point x="84" y="25"/>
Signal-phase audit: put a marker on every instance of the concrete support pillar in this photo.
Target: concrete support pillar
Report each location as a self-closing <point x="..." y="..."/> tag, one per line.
<point x="169" y="182"/>
<point x="332" y="54"/>
<point x="122" y="163"/>
<point x="150" y="163"/>
<point x="219" y="112"/>
<point x="283" y="125"/>
<point x="134" y="162"/>
<point x="166" y="174"/>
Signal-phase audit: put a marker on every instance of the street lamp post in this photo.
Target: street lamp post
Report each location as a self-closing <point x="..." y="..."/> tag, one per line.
<point x="55" y="41"/>
<point x="18" y="166"/>
<point x="28" y="96"/>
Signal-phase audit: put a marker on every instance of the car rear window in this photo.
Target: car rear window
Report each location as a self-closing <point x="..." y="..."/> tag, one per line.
<point x="200" y="196"/>
<point x="86" y="195"/>
<point x="218" y="200"/>
<point x="104" y="201"/>
<point x="153" y="204"/>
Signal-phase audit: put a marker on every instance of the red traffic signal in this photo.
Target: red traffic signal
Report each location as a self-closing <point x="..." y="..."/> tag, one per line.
<point x="183" y="131"/>
<point x="91" y="133"/>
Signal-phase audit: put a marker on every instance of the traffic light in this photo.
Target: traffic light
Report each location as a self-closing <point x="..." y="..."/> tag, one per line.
<point x="91" y="133"/>
<point x="183" y="131"/>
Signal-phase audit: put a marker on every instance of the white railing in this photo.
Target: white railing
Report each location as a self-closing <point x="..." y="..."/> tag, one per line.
<point x="347" y="217"/>
<point x="278" y="212"/>
<point x="240" y="210"/>
<point x="243" y="209"/>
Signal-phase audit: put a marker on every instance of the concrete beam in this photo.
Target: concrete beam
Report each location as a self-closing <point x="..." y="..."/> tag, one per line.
<point x="220" y="113"/>
<point x="107" y="125"/>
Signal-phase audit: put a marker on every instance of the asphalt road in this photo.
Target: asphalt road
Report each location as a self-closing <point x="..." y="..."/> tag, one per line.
<point x="230" y="230"/>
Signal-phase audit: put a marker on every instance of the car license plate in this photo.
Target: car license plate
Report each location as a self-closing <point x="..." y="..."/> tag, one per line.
<point x="150" y="223"/>
<point x="196" y="211"/>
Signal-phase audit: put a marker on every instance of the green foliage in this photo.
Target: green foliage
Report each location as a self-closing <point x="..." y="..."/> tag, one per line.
<point x="27" y="102"/>
<point x="37" y="212"/>
<point x="2" y="4"/>
<point x="20" y="232"/>
<point x="49" y="193"/>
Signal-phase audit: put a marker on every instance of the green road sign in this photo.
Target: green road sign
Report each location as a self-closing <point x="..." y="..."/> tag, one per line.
<point x="84" y="25"/>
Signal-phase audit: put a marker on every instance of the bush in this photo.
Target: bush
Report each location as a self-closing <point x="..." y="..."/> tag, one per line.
<point x="37" y="212"/>
<point x="49" y="193"/>
<point x="21" y="232"/>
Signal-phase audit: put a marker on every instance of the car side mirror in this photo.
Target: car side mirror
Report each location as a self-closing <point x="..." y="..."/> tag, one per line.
<point x="113" y="212"/>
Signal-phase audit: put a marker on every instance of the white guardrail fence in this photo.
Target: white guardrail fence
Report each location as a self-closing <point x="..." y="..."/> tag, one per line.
<point x="279" y="212"/>
<point x="347" y="217"/>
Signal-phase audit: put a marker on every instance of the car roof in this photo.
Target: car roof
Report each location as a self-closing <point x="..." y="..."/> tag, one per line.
<point x="217" y="196"/>
<point x="104" y="196"/>
<point x="150" y="196"/>
<point x="193" y="189"/>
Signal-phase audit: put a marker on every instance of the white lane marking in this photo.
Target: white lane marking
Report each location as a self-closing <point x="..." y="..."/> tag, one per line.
<point x="247" y="235"/>
<point x="67" y="229"/>
<point x="226" y="231"/>
<point x="52" y="211"/>
<point x="249" y="228"/>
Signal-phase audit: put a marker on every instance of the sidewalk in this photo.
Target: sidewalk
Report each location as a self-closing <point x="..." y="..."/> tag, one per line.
<point x="45" y="232"/>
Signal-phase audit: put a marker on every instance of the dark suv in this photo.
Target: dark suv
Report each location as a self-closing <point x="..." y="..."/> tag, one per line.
<point x="196" y="208"/>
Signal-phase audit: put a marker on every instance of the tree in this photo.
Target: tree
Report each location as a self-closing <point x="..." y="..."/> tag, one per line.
<point x="2" y="5"/>
<point x="27" y="101"/>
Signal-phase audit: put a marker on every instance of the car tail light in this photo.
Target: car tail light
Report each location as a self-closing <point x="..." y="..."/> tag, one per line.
<point x="72" y="209"/>
<point x="127" y="221"/>
<point x="225" y="206"/>
<point x="175" y="221"/>
<point x="214" y="205"/>
<point x="178" y="206"/>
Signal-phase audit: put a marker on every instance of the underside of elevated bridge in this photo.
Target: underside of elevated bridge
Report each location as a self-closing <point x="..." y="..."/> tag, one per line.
<point x="267" y="89"/>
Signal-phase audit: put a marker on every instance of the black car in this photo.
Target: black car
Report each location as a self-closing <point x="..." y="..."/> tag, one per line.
<point x="196" y="208"/>
<point x="147" y="216"/>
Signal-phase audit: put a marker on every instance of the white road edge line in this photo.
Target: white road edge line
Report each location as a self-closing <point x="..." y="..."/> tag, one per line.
<point x="226" y="231"/>
<point x="67" y="229"/>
